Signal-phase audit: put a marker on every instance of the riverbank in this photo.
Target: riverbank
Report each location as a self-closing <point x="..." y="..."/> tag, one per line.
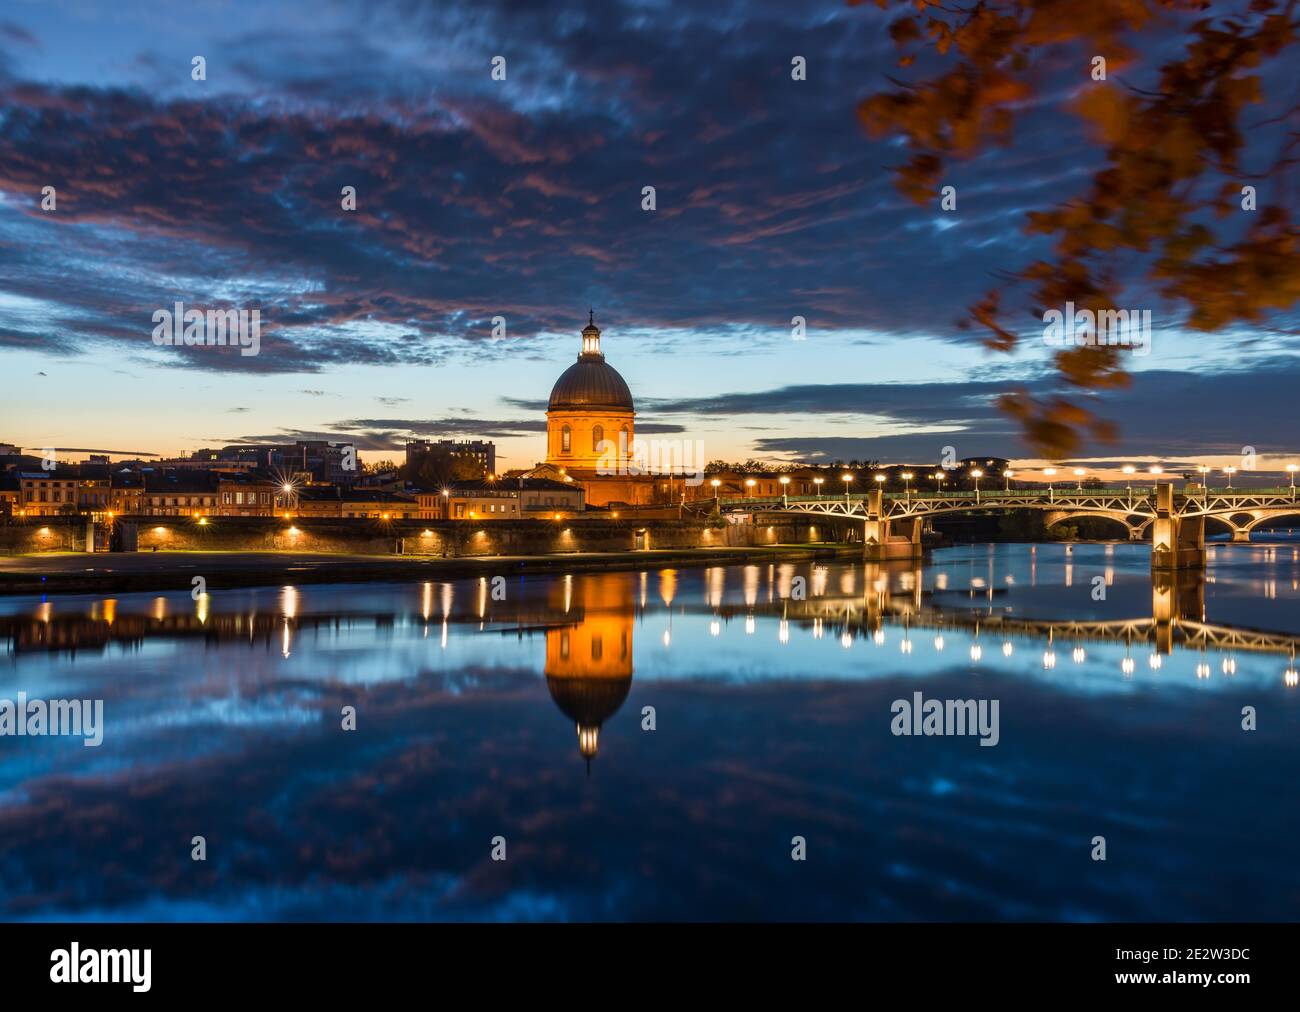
<point x="82" y="573"/>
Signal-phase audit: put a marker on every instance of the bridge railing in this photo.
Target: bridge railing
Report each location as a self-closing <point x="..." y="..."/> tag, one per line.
<point x="992" y="495"/>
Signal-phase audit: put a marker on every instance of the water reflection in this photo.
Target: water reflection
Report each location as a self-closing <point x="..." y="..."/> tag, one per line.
<point x="772" y="686"/>
<point x="589" y="662"/>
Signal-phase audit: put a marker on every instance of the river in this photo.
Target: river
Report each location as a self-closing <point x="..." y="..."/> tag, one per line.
<point x="694" y="744"/>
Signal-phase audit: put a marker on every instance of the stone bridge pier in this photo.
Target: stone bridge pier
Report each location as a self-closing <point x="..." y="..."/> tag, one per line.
<point x="1177" y="542"/>
<point x="884" y="539"/>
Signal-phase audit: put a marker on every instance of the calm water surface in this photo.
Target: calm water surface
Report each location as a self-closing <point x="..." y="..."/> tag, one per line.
<point x="771" y="687"/>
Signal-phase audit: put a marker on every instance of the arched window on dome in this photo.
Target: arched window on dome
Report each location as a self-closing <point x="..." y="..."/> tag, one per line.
<point x="597" y="437"/>
<point x="566" y="439"/>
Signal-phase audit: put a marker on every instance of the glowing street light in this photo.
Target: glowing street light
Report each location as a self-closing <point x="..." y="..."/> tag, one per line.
<point x="1229" y="471"/>
<point x="715" y="483"/>
<point x="1292" y="468"/>
<point x="785" y="482"/>
<point x="1008" y="475"/>
<point x="1079" y="473"/>
<point x="749" y="485"/>
<point x="846" y="478"/>
<point x="939" y="477"/>
<point x="1129" y="471"/>
<point x="907" y="484"/>
<point x="818" y="483"/>
<point x="977" y="474"/>
<point x="1050" y="472"/>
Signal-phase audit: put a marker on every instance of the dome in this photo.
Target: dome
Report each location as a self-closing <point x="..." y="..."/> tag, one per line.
<point x="590" y="383"/>
<point x="588" y="701"/>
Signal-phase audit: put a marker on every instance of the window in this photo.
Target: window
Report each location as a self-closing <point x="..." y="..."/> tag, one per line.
<point x="597" y="437"/>
<point x="566" y="439"/>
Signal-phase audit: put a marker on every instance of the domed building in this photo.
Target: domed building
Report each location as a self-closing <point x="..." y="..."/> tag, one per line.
<point x="590" y="428"/>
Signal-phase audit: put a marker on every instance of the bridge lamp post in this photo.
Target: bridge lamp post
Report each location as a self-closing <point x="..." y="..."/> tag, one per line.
<point x="818" y="483"/>
<point x="907" y="484"/>
<point x="880" y="481"/>
<point x="1079" y="473"/>
<point x="1229" y="471"/>
<point x="1292" y="468"/>
<point x="1129" y="471"/>
<point x="846" y="478"/>
<point x="749" y="488"/>
<point x="785" y="482"/>
<point x="1050" y="472"/>
<point x="939" y="476"/>
<point x="717" y="507"/>
<point x="977" y="474"/>
<point x="1008" y="475"/>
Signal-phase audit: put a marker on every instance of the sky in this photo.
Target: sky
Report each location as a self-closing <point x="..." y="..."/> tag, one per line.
<point x="521" y="199"/>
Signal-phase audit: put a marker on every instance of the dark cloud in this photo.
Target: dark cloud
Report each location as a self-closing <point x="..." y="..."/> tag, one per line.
<point x="1162" y="412"/>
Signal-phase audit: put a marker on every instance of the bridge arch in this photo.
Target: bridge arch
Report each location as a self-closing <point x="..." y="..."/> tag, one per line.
<point x="1122" y="521"/>
<point x="1275" y="519"/>
<point x="1216" y="523"/>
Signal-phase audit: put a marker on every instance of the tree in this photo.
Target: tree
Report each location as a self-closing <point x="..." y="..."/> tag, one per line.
<point x="1169" y="188"/>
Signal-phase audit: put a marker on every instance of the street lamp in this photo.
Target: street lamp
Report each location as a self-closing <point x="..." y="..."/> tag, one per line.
<point x="1051" y="490"/>
<point x="1079" y="473"/>
<point x="1129" y="471"/>
<point x="818" y="483"/>
<point x="716" y="506"/>
<point x="939" y="477"/>
<point x="1292" y="468"/>
<point x="749" y="484"/>
<point x="907" y="484"/>
<point x="977" y="474"/>
<point x="846" y="478"/>
<point x="1229" y="471"/>
<point x="1008" y="475"/>
<point x="785" y="481"/>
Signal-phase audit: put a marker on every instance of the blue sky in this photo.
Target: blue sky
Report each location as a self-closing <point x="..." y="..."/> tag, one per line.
<point x="522" y="199"/>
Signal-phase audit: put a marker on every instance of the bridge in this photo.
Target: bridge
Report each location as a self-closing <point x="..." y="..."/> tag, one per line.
<point x="1175" y="520"/>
